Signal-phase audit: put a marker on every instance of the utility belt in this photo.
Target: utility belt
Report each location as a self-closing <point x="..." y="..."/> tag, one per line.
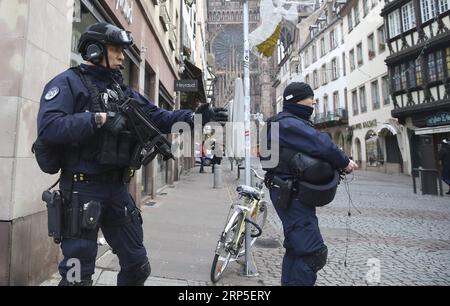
<point x="109" y="177"/>
<point x="68" y="218"/>
<point x="288" y="188"/>
<point x="71" y="218"/>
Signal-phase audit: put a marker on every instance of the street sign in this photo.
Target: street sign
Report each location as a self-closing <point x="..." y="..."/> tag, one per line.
<point x="186" y="85"/>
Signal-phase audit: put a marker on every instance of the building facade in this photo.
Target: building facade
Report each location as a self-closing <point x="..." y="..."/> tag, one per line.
<point x="37" y="48"/>
<point x="377" y="138"/>
<point x="419" y="69"/>
<point x="323" y="66"/>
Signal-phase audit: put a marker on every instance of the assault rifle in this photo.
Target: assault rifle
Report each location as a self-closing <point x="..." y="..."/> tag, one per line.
<point x="152" y="141"/>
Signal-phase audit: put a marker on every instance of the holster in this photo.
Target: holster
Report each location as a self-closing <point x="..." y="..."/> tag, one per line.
<point x="286" y="188"/>
<point x="54" y="201"/>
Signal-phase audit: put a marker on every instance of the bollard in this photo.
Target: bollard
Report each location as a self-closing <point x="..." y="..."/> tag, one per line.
<point x="217" y="176"/>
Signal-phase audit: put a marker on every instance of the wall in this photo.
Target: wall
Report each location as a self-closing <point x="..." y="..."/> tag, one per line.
<point x="29" y="60"/>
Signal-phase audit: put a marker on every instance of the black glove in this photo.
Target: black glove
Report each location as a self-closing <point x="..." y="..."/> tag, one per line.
<point x="115" y="123"/>
<point x="210" y="114"/>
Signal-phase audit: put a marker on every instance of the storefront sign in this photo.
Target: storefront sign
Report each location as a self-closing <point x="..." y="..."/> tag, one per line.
<point x="126" y="6"/>
<point x="438" y="119"/>
<point x="186" y="85"/>
<point x="365" y="125"/>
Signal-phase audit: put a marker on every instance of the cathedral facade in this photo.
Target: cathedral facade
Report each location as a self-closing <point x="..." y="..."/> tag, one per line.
<point x="226" y="43"/>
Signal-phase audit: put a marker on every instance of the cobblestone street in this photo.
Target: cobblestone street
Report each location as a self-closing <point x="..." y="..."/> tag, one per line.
<point x="407" y="234"/>
<point x="393" y="236"/>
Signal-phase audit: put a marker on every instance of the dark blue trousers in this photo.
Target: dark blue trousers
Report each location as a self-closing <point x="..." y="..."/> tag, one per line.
<point x="126" y="240"/>
<point x="301" y="238"/>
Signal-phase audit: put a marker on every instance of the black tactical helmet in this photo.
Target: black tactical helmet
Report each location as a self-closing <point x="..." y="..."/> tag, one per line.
<point x="319" y="180"/>
<point x="93" y="40"/>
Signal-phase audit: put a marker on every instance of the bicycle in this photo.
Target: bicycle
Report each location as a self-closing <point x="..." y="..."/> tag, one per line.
<point x="231" y="244"/>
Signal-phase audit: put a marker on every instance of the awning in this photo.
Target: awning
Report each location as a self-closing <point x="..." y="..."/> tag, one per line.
<point x="391" y="128"/>
<point x="192" y="72"/>
<point x="433" y="130"/>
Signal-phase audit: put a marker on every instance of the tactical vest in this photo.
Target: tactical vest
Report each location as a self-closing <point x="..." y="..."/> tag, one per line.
<point x="106" y="149"/>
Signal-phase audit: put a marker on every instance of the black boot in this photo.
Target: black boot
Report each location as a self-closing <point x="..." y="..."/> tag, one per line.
<point x="83" y="283"/>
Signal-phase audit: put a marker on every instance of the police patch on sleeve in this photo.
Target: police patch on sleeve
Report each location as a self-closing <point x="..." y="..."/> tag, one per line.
<point x="52" y="93"/>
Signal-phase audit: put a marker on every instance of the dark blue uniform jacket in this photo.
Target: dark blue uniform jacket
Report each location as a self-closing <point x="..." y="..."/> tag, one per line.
<point x="65" y="118"/>
<point x="297" y="135"/>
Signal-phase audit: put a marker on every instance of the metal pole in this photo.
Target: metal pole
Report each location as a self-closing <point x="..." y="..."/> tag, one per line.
<point x="250" y="268"/>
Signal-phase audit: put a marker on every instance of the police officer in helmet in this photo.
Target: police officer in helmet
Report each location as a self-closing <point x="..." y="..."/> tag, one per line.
<point x="79" y="113"/>
<point x="306" y="177"/>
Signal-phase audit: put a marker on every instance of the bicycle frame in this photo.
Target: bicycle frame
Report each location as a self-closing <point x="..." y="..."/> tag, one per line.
<point x="253" y="210"/>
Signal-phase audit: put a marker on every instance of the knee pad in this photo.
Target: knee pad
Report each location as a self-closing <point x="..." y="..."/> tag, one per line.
<point x="318" y="259"/>
<point x="137" y="276"/>
<point x="143" y="273"/>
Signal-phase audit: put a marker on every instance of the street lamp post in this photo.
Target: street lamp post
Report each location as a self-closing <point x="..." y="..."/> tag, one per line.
<point x="250" y="268"/>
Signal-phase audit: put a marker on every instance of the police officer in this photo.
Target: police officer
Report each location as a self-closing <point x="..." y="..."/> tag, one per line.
<point x="306" y="252"/>
<point x="78" y="112"/>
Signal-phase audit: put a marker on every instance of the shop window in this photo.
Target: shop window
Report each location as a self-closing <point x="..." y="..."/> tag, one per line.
<point x="374" y="152"/>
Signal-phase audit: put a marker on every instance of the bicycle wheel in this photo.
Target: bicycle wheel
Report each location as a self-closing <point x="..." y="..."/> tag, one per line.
<point x="225" y="246"/>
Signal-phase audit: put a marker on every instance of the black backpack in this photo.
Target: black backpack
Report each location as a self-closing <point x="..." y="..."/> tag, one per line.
<point x="48" y="157"/>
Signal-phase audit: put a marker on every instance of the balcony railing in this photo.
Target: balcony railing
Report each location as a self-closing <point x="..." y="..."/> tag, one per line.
<point x="338" y="115"/>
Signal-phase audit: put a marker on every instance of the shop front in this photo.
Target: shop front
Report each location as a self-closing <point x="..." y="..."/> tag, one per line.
<point x="377" y="146"/>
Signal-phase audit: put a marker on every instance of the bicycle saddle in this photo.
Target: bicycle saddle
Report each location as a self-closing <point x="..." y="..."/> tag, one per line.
<point x="249" y="192"/>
